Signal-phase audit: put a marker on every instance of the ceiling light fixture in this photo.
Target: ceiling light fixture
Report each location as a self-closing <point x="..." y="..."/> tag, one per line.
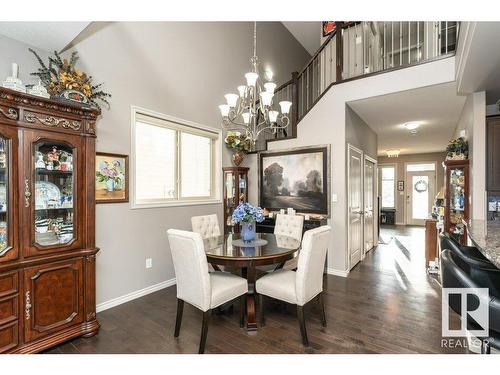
<point x="393" y="153"/>
<point x="412" y="127"/>
<point x="252" y="110"/>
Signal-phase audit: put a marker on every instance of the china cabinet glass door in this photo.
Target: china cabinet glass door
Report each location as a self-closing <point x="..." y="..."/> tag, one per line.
<point x="230" y="197"/>
<point x="54" y="192"/>
<point x="4" y="191"/>
<point x="8" y="221"/>
<point x="456" y="190"/>
<point x="51" y="193"/>
<point x="243" y="189"/>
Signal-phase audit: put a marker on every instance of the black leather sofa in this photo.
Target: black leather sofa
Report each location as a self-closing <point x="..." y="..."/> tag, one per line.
<point x="453" y="276"/>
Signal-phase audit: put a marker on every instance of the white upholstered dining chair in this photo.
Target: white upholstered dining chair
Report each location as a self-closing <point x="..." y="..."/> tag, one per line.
<point x="206" y="225"/>
<point x="301" y="286"/>
<point x="198" y="287"/>
<point x="291" y="226"/>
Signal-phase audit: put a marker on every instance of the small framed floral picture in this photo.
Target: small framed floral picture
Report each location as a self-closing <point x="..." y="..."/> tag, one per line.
<point x="111" y="178"/>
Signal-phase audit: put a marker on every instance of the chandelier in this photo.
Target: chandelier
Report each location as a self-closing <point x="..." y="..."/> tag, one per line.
<point x="252" y="110"/>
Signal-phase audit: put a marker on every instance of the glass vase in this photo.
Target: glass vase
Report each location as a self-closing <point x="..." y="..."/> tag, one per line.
<point x="248" y="231"/>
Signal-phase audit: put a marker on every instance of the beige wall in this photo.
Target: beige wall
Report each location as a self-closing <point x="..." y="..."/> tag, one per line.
<point x="400" y="162"/>
<point x="359" y="134"/>
<point x="13" y="51"/>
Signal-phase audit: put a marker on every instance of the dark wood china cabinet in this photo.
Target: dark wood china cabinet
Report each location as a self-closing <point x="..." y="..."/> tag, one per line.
<point x="47" y="222"/>
<point x="235" y="192"/>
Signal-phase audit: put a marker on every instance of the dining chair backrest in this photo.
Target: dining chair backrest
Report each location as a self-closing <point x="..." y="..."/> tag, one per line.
<point x="206" y="225"/>
<point x="311" y="264"/>
<point x="289" y="225"/>
<point x="191" y="268"/>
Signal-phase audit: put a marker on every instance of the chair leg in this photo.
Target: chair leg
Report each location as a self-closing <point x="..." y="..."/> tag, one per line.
<point x="485" y="347"/>
<point x="322" y="308"/>
<point x="204" y="331"/>
<point x="243" y="305"/>
<point x="178" y="319"/>
<point x="302" y="324"/>
<point x="260" y="306"/>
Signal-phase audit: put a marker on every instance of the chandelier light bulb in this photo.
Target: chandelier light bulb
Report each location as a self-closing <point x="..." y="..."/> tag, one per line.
<point x="270" y="87"/>
<point x="231" y="99"/>
<point x="269" y="74"/>
<point x="266" y="98"/>
<point x="251" y="78"/>
<point x="285" y="106"/>
<point x="224" y="110"/>
<point x="242" y="90"/>
<point x="273" y="116"/>
<point x="246" y="117"/>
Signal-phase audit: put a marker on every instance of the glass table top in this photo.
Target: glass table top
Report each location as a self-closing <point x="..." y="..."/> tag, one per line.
<point x="277" y="245"/>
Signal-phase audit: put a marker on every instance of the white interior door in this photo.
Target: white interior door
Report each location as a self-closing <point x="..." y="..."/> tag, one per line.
<point x="355" y="210"/>
<point x="369" y="204"/>
<point x="421" y="190"/>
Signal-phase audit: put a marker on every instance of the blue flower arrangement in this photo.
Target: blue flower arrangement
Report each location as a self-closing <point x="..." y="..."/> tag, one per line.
<point x="247" y="213"/>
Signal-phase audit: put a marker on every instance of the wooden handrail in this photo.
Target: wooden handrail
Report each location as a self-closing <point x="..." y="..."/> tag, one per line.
<point x="284" y="85"/>
<point x="321" y="48"/>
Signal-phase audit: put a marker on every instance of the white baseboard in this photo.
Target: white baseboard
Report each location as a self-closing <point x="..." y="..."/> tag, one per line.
<point x="400" y="224"/>
<point x="133" y="295"/>
<point x="335" y="272"/>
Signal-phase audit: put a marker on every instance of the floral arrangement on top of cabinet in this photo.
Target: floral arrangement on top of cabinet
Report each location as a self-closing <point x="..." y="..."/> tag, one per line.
<point x="53" y="194"/>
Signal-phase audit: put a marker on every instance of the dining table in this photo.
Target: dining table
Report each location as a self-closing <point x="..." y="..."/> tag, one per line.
<point x="231" y="251"/>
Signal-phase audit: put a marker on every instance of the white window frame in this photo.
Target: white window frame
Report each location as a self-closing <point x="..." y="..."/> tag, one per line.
<point x="395" y="166"/>
<point x="216" y="198"/>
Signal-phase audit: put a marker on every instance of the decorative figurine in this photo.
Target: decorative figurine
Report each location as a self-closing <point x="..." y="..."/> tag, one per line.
<point x="40" y="164"/>
<point x="13" y="82"/>
<point x="39" y="90"/>
<point x="53" y="158"/>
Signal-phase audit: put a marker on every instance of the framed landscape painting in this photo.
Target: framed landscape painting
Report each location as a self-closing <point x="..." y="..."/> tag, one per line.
<point x="111" y="178"/>
<point x="298" y="178"/>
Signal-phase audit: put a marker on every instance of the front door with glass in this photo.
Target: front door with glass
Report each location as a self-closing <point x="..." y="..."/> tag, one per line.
<point x="421" y="190"/>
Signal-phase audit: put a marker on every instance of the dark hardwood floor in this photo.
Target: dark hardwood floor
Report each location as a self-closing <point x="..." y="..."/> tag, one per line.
<point x="387" y="304"/>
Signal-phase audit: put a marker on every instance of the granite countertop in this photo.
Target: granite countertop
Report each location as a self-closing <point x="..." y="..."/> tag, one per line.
<point x="486" y="236"/>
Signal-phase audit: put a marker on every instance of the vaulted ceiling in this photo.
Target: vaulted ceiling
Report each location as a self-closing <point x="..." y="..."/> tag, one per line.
<point x="49" y="36"/>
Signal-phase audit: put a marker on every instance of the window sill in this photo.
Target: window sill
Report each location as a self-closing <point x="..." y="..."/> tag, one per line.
<point x="138" y="206"/>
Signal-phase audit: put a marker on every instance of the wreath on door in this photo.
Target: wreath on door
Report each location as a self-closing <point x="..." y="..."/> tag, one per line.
<point x="420" y="186"/>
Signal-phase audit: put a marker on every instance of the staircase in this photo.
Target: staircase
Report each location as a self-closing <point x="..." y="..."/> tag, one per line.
<point x="357" y="50"/>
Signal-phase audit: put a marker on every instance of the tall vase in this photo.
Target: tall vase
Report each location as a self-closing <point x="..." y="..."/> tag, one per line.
<point x="248" y="231"/>
<point x="238" y="157"/>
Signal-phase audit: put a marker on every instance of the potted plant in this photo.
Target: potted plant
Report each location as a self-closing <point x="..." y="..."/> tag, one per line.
<point x="457" y="149"/>
<point x="247" y="215"/>
<point x="239" y="142"/>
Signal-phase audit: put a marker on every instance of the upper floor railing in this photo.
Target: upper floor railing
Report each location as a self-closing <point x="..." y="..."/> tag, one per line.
<point x="358" y="49"/>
